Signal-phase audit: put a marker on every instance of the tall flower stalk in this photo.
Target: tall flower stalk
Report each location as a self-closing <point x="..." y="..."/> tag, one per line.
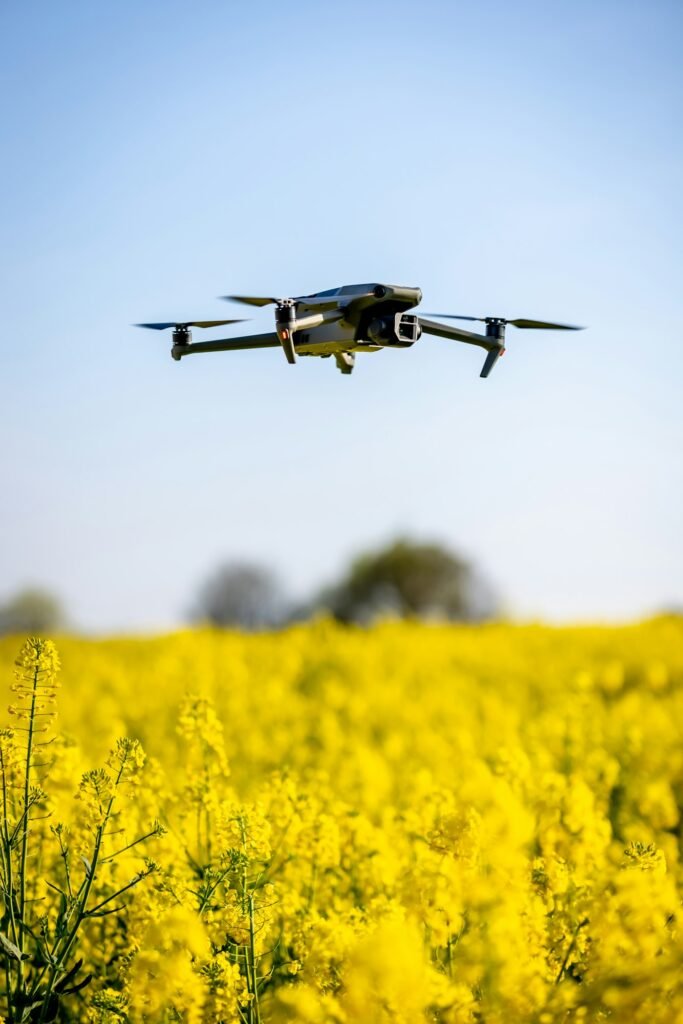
<point x="38" y="951"/>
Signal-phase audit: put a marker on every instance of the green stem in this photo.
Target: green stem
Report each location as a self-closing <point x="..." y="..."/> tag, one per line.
<point x="570" y="950"/>
<point x="24" y="839"/>
<point x="113" y="856"/>
<point x="27" y="787"/>
<point x="211" y="890"/>
<point x="115" y="895"/>
<point x="8" y="982"/>
<point x="82" y="905"/>
<point x="65" y="857"/>
<point x="252" y="957"/>
<point x="8" y="853"/>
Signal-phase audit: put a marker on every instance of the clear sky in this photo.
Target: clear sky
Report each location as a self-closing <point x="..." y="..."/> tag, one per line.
<point x="516" y="159"/>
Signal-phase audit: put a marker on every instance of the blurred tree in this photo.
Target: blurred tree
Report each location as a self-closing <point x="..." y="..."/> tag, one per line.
<point x="406" y="578"/>
<point x="31" y="611"/>
<point x="241" y="594"/>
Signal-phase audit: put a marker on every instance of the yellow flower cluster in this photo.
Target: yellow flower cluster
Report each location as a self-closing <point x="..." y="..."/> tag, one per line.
<point x="331" y="825"/>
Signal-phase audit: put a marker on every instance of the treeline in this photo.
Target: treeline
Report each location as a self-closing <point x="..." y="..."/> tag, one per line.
<point x="403" y="579"/>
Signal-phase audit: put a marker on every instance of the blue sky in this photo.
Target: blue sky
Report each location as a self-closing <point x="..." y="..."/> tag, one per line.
<point x="512" y="159"/>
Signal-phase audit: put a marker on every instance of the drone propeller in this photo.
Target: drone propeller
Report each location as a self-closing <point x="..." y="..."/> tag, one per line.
<point x="286" y="315"/>
<point x="494" y="338"/>
<point x="528" y="324"/>
<point x="253" y="300"/>
<point x="188" y="323"/>
<point x="315" y="303"/>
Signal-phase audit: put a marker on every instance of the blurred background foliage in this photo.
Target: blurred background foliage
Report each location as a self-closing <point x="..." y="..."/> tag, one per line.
<point x="408" y="579"/>
<point x="32" y="610"/>
<point x="404" y="578"/>
<point x="241" y="594"/>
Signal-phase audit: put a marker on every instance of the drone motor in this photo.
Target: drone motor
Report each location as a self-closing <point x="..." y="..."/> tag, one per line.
<point x="285" y="325"/>
<point x="182" y="335"/>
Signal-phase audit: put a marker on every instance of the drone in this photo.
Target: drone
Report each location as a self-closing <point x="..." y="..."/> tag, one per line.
<point x="341" y="322"/>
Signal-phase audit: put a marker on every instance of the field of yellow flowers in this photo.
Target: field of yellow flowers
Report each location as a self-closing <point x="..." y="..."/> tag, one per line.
<point x="328" y="825"/>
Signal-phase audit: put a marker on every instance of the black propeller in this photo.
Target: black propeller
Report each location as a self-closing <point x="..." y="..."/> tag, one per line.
<point x="189" y="323"/>
<point x="253" y="300"/>
<point x="521" y="322"/>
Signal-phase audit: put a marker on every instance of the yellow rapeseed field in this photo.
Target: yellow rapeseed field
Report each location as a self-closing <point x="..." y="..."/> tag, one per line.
<point x="329" y="825"/>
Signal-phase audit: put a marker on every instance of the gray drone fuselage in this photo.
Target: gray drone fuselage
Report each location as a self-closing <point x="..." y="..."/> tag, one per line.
<point x="363" y="321"/>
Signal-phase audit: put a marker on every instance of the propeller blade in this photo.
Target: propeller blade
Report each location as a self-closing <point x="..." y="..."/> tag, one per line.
<point x="250" y="300"/>
<point x="543" y="325"/>
<point x="454" y="316"/>
<point x="539" y="325"/>
<point x="323" y="305"/>
<point x="490" y="361"/>
<point x="213" y="323"/>
<point x="155" y="327"/>
<point x="189" y="323"/>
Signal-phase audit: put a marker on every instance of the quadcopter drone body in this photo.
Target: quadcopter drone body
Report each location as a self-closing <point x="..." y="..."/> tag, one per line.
<point x="343" y="321"/>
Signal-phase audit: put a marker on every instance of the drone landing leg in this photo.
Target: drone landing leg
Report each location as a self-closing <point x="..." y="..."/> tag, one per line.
<point x="345" y="361"/>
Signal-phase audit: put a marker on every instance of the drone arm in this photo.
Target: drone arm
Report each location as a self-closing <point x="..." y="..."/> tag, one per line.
<point x="252" y="341"/>
<point x="494" y="346"/>
<point x="318" y="317"/>
<point x="454" y="333"/>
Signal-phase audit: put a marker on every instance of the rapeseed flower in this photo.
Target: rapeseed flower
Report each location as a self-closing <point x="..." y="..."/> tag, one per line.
<point x="407" y="823"/>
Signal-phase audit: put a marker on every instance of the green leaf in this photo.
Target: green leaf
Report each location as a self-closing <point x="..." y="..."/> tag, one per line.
<point x="69" y="976"/>
<point x="78" y="987"/>
<point x="10" y="949"/>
